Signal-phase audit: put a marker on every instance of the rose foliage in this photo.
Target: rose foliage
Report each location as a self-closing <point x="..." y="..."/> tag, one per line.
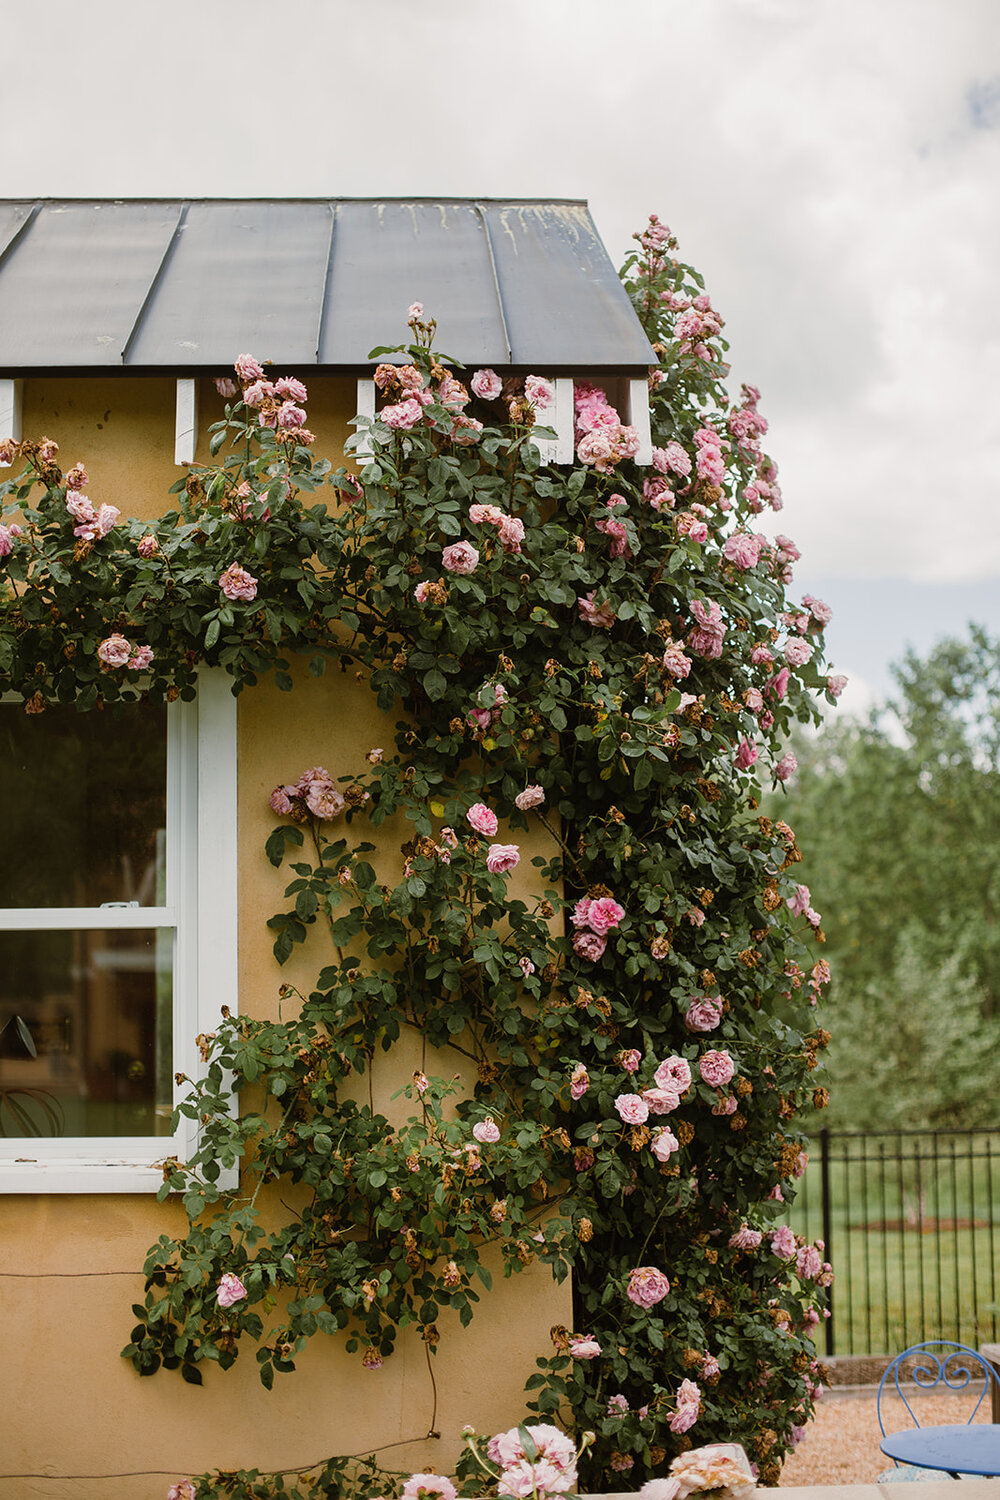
<point x="603" y="652"/>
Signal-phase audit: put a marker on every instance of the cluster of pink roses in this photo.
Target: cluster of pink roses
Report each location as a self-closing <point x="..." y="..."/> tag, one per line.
<point x="315" y="794"/>
<point x="709" y="631"/>
<point x="800" y="905"/>
<point x="275" y="402"/>
<point x="611" y="527"/>
<point x="116" y="651"/>
<point x="602" y="438"/>
<point x="91" y="524"/>
<point x="8" y="536"/>
<point x="593" y="919"/>
<point x="509" y="529"/>
<point x="500" y="858"/>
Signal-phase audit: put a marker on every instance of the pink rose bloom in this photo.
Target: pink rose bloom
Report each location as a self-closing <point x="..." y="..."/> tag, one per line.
<point x="247" y="368"/>
<point x="79" y="507"/>
<point x="237" y="583"/>
<point x="280" y="801"/>
<point x="526" y="966"/>
<point x="183" y="1490"/>
<point x="798" y="904"/>
<point x="776" y="1195"/>
<point x="778" y="685"/>
<point x="114" y="651"/>
<point x="511" y="533"/>
<point x="785" y="767"/>
<point x="674" y="1073"/>
<point x="746" y="1238"/>
<point x="762" y="656"/>
<point x="675" y="662"/>
<point x="539" y="392"/>
<point x="421" y="591"/>
<point x="428" y="1486"/>
<point x="106" y="517"/>
<point x="584" y="1346"/>
<point x="707" y="637"/>
<point x="482" y="819"/>
<point x="589" y="945"/>
<point x="689" y="526"/>
<point x="6" y="541"/>
<point x="716" y="1069"/>
<point x="661" y="1101"/>
<point x="600" y="916"/>
<point x="525" y="1479"/>
<point x="703" y="1015"/>
<point x="597" y="448"/>
<point x="664" y="1143"/>
<point x="836" y="684"/>
<point x="77" y="476"/>
<point x="460" y="557"/>
<point x="403" y="415"/>
<point x="579" y="1082"/>
<point x="487" y="1131"/>
<point x="230" y="1290"/>
<point x="291" y="389"/>
<point x="657" y="493"/>
<point x="808" y="1262"/>
<point x="532" y="796"/>
<point x="290" y="415"/>
<point x="602" y="616"/>
<point x="798" y="652"/>
<point x="485" y="515"/>
<point x="324" y="801"/>
<point x="725" y="1106"/>
<point x="660" y="1489"/>
<point x="147" y="546"/>
<point x="486" y="384"/>
<point x="695" y="916"/>
<point x="783" y="1242"/>
<point x="631" y="1059"/>
<point x="140" y="658"/>
<point x="688" y="1407"/>
<point x="505" y="1448"/>
<point x="500" y="858"/>
<point x="742" y="550"/>
<point x="745" y="756"/>
<point x="632" y="1109"/>
<point x="465" y="431"/>
<point x="256" y="394"/>
<point x="647" y="1286"/>
<point x="414" y="313"/>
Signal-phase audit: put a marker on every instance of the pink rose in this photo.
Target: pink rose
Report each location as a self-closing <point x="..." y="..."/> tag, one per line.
<point x="746" y="755"/>
<point x="632" y="1109"/>
<point x="486" y="384"/>
<point x="600" y="916"/>
<point x="6" y="541"/>
<point x="485" y="515"/>
<point x="601" y="616"/>
<point x="247" y="368"/>
<point x="255" y="395"/>
<point x="230" y="1290"/>
<point x="661" y="1101"/>
<point x="140" y="658"/>
<point x="280" y="801"/>
<point x="487" y="1131"/>
<point x="742" y="550"/>
<point x="482" y="819"/>
<point x="421" y="591"/>
<point x="584" y="1346"/>
<point x="836" y="684"/>
<point x="291" y="389"/>
<point x="414" y="312"/>
<point x="674" y="1073"/>
<point x="460" y="557"/>
<point x="798" y="904"/>
<point x="77" y="477"/>
<point x="237" y="583"/>
<point x="675" y="662"/>
<point x="183" y="1490"/>
<point x="579" y="1082"/>
<point x="114" y="651"/>
<point x="703" y="1015"/>
<point x="630" y="1059"/>
<point x="716" y="1069"/>
<point x="785" y="767"/>
<point x="778" y="685"/>
<point x="647" y="1286"/>
<point x="427" y="1486"/>
<point x="589" y="945"/>
<point x="808" y="1262"/>
<point x="532" y="796"/>
<point x="402" y="416"/>
<point x="290" y="415"/>
<point x="660" y="1489"/>
<point x="147" y="546"/>
<point x="324" y="801"/>
<point x="664" y="1143"/>
<point x="539" y="392"/>
<point x="500" y="858"/>
<point x="798" y="652"/>
<point x="746" y="1238"/>
<point x="511" y="533"/>
<point x="783" y="1242"/>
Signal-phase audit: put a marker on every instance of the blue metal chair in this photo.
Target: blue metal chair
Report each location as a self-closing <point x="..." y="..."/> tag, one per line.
<point x="937" y="1363"/>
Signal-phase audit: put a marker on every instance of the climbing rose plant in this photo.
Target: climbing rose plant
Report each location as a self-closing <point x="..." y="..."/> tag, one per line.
<point x="616" y="1068"/>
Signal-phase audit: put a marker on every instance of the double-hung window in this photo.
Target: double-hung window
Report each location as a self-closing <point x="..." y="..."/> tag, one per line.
<point x="117" y="932"/>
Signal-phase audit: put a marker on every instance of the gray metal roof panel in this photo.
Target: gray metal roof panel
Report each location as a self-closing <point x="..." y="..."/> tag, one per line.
<point x="167" y="284"/>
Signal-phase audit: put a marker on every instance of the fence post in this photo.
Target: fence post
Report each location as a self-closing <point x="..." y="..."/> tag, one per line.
<point x="824" y="1163"/>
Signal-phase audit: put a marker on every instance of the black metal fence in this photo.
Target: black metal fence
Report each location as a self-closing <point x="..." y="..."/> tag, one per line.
<point x="911" y="1227"/>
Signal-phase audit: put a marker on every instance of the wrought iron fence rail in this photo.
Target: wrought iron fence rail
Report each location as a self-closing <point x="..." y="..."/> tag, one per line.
<point x="910" y="1225"/>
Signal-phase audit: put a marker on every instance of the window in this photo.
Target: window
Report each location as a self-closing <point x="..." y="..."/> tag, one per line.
<point x="117" y="932"/>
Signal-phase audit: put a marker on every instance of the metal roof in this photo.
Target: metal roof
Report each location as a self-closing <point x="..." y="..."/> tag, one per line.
<point x="182" y="285"/>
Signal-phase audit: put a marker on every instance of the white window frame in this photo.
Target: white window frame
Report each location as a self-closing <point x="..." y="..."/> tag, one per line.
<point x="201" y="909"/>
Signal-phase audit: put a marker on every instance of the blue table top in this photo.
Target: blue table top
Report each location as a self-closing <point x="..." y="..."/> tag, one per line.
<point x="971" y="1449"/>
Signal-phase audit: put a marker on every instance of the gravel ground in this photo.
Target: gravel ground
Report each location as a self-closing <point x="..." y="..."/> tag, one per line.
<point x="841" y="1446"/>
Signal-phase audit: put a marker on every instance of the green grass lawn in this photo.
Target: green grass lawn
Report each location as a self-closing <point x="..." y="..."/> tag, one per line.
<point x="913" y="1237"/>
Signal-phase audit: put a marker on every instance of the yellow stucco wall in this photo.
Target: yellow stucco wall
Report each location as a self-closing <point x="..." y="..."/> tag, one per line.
<point x="70" y="1267"/>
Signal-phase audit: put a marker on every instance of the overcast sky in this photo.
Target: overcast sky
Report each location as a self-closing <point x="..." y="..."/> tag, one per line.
<point x="832" y="167"/>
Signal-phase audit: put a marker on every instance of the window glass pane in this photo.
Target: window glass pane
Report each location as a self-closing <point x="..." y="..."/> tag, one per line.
<point x="85" y="806"/>
<point x="85" y="1032"/>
